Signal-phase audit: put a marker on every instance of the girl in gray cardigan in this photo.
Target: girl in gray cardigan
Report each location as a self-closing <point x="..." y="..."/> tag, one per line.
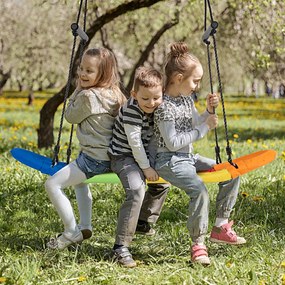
<point x="93" y="107"/>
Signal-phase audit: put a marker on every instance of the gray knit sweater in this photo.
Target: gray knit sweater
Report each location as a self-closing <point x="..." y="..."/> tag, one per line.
<point x="94" y="111"/>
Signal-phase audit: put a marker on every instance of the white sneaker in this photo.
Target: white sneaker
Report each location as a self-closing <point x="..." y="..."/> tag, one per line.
<point x="64" y="240"/>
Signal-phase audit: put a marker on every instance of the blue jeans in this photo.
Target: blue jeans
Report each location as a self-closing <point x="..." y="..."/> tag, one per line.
<point x="180" y="169"/>
<point x="91" y="166"/>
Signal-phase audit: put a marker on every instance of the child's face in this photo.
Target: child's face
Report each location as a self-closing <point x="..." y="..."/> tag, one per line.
<point x="88" y="71"/>
<point x="148" y="98"/>
<point x="191" y="83"/>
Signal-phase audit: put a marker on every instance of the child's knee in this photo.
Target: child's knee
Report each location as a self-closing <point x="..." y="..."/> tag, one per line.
<point x="136" y="194"/>
<point x="49" y="185"/>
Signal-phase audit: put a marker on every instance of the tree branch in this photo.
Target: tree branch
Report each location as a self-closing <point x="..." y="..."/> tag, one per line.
<point x="45" y="131"/>
<point x="149" y="48"/>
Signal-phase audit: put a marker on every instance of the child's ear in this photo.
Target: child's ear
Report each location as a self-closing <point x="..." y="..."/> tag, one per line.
<point x="179" y="77"/>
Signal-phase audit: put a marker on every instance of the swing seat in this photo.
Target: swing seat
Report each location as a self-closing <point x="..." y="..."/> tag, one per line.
<point x="207" y="176"/>
<point x="248" y="162"/>
<point x="36" y="161"/>
<point x="219" y="173"/>
<point x="44" y="165"/>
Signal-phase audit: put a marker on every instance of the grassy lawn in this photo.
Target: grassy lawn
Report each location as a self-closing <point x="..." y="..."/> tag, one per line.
<point x="28" y="220"/>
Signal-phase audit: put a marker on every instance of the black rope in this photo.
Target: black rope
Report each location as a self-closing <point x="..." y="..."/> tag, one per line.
<point x="82" y="47"/>
<point x="207" y="33"/>
<point x="67" y="89"/>
<point x="57" y="146"/>
<point x="207" y="42"/>
<point x="217" y="147"/>
<point x="228" y="148"/>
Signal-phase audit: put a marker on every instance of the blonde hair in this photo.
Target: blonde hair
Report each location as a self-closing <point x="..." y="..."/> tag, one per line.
<point x="108" y="75"/>
<point x="179" y="60"/>
<point x="147" y="77"/>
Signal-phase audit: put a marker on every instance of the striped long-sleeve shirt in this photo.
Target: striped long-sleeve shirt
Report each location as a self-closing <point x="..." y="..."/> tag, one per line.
<point x="132" y="132"/>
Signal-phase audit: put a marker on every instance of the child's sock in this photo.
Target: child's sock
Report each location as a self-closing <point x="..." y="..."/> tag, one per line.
<point x="116" y="246"/>
<point x="221" y="221"/>
<point x="200" y="240"/>
<point x="141" y="222"/>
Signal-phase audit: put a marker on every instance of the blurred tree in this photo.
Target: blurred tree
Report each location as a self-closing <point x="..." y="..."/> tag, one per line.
<point x="35" y="47"/>
<point x="35" y="42"/>
<point x="254" y="32"/>
<point x="45" y="131"/>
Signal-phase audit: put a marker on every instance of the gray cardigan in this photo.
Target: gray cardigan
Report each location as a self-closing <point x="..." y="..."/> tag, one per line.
<point x="94" y="111"/>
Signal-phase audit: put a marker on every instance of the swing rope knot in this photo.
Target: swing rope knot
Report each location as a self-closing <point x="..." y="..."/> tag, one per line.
<point x="229" y="153"/>
<point x="55" y="156"/>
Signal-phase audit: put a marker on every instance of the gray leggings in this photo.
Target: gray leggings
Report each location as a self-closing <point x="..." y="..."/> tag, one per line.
<point x="139" y="204"/>
<point x="181" y="171"/>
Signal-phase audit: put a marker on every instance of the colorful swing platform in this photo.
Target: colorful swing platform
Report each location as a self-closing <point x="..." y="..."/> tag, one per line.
<point x="36" y="161"/>
<point x="219" y="173"/>
<point x="248" y="162"/>
<point x="44" y="165"/>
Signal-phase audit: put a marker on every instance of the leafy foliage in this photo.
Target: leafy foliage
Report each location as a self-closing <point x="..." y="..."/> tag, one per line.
<point x="250" y="37"/>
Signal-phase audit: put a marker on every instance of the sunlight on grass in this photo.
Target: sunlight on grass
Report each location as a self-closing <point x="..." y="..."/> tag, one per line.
<point x="28" y="220"/>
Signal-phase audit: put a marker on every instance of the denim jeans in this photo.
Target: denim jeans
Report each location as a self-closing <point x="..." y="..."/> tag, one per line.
<point x="139" y="204"/>
<point x="91" y="166"/>
<point x="180" y="169"/>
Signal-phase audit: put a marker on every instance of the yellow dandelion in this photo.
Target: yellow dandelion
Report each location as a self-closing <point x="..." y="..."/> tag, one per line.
<point x="283" y="279"/>
<point x="264" y="146"/>
<point x="3" y="279"/>
<point x="284" y="177"/>
<point x="249" y="141"/>
<point x="261" y="282"/>
<point x="244" y="194"/>
<point x="229" y="264"/>
<point x="81" y="278"/>
<point x="258" y="198"/>
<point x="235" y="136"/>
<point x="283" y="264"/>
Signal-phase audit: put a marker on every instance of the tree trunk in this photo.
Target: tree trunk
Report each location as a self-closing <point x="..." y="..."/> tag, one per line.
<point x="45" y="131"/>
<point x="4" y="79"/>
<point x="148" y="49"/>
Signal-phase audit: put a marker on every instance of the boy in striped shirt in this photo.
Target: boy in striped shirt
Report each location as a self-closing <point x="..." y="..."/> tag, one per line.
<point x="132" y="152"/>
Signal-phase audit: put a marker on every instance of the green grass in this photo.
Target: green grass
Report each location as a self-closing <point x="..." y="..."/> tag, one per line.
<point x="27" y="219"/>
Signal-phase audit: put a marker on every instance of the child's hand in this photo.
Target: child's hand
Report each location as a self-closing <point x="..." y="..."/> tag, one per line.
<point x="150" y="174"/>
<point x="212" y="121"/>
<point x="212" y="102"/>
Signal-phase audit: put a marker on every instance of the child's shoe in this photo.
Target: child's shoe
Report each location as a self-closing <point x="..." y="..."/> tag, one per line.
<point x="86" y="231"/>
<point x="199" y="255"/>
<point x="124" y="257"/>
<point x="65" y="240"/>
<point x="225" y="234"/>
<point x="144" y="228"/>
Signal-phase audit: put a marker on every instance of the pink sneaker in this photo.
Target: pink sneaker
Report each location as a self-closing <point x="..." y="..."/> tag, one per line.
<point x="199" y="254"/>
<point x="225" y="234"/>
